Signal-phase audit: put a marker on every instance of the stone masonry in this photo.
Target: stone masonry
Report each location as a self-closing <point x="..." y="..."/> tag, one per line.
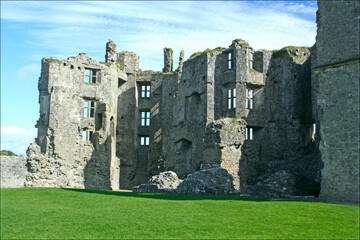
<point x="337" y="72"/>
<point x="13" y="171"/>
<point x="235" y="109"/>
<point x="236" y="118"/>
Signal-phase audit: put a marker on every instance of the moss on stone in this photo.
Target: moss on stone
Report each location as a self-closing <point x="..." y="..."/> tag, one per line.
<point x="254" y="70"/>
<point x="111" y="44"/>
<point x="242" y="42"/>
<point x="53" y="60"/>
<point x="211" y="51"/>
<point x="108" y="64"/>
<point x="288" y="49"/>
<point x="118" y="66"/>
<point x="169" y="73"/>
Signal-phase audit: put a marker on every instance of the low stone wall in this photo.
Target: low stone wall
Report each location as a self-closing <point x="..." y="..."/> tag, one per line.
<point x="13" y="171"/>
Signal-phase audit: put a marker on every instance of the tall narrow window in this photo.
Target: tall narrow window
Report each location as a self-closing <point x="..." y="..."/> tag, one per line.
<point x="87" y="135"/>
<point x="145" y="119"/>
<point x="89" y="109"/>
<point x="144" y="141"/>
<point x="249" y="102"/>
<point x="232" y="98"/>
<point x="248" y="133"/>
<point x="145" y="91"/>
<point x="251" y="61"/>
<point x="229" y="60"/>
<point x="90" y="75"/>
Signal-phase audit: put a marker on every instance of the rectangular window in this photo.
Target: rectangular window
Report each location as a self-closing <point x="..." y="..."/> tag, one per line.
<point x="145" y="119"/>
<point x="87" y="135"/>
<point x="251" y="61"/>
<point x="145" y="91"/>
<point x="249" y="102"/>
<point x="232" y="98"/>
<point x="144" y="141"/>
<point x="89" y="109"/>
<point x="229" y="60"/>
<point x="90" y="75"/>
<point x="248" y="133"/>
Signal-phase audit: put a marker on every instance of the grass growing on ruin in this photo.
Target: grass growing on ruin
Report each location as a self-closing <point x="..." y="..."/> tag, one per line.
<point x="93" y="214"/>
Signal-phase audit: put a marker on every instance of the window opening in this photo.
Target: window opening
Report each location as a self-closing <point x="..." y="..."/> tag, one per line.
<point x="120" y="82"/>
<point x="249" y="103"/>
<point x="90" y="75"/>
<point x="248" y="133"/>
<point x="229" y="60"/>
<point x="232" y="98"/>
<point x="99" y="121"/>
<point x="144" y="141"/>
<point x="87" y="135"/>
<point x="89" y="109"/>
<point x="313" y="136"/>
<point x="145" y="119"/>
<point x="251" y="62"/>
<point x="145" y="91"/>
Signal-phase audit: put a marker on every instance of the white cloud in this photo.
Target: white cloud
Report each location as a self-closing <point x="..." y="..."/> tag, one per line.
<point x="28" y="72"/>
<point x="145" y="27"/>
<point x="16" y="139"/>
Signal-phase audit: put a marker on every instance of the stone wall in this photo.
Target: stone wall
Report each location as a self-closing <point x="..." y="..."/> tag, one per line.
<point x="75" y="146"/>
<point x="223" y="142"/>
<point x="337" y="71"/>
<point x="199" y="116"/>
<point x="13" y="171"/>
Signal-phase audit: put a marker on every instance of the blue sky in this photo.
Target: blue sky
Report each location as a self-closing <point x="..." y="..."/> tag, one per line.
<point x="31" y="30"/>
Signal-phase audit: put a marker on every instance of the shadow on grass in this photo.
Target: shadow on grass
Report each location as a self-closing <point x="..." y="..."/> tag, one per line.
<point x="165" y="196"/>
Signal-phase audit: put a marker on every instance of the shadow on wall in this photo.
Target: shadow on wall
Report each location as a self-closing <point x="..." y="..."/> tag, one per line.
<point x="282" y="159"/>
<point x="97" y="169"/>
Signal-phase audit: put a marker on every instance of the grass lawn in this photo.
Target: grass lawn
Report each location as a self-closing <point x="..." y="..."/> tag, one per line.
<point x="39" y="213"/>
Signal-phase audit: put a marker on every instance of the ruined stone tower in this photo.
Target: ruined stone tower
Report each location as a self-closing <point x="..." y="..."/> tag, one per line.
<point x="132" y="124"/>
<point x="337" y="72"/>
<point x="251" y="114"/>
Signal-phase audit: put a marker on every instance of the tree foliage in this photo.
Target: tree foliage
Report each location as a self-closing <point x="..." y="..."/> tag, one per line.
<point x="7" y="153"/>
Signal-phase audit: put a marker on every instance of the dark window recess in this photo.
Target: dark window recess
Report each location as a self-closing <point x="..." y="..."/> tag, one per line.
<point x="87" y="135"/>
<point x="89" y="109"/>
<point x="145" y="91"/>
<point x="232" y="98"/>
<point x="120" y="82"/>
<point x="98" y="121"/>
<point x="90" y="75"/>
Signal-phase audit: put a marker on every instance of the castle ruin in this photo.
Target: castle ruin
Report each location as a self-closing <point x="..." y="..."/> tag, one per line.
<point x="266" y="117"/>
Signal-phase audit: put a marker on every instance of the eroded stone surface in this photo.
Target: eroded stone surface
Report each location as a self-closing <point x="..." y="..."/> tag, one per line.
<point x="336" y="71"/>
<point x="164" y="182"/>
<point x="234" y="117"/>
<point x="213" y="181"/>
<point x="13" y="171"/>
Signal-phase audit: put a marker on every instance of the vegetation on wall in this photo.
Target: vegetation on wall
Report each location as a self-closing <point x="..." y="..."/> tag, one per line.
<point x="288" y="49"/>
<point x="211" y="51"/>
<point x="53" y="60"/>
<point x="7" y="153"/>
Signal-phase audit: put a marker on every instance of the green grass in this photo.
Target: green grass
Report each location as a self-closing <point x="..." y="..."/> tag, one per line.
<point x="40" y="213"/>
